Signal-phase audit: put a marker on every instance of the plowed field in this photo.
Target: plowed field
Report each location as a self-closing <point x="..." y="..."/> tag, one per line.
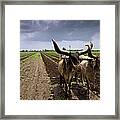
<point x="39" y="80"/>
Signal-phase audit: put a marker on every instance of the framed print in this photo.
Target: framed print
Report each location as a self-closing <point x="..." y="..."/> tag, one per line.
<point x="59" y="59"/>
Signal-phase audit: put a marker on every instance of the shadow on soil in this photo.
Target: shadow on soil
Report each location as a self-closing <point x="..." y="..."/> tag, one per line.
<point x="77" y="91"/>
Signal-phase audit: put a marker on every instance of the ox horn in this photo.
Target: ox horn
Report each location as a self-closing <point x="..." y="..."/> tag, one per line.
<point x="57" y="49"/>
<point x="74" y="59"/>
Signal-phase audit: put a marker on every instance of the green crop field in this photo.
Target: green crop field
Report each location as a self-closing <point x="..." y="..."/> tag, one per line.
<point x="24" y="55"/>
<point x="52" y="54"/>
<point x="55" y="54"/>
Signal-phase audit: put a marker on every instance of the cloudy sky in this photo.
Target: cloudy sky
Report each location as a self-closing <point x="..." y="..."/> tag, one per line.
<point x="37" y="34"/>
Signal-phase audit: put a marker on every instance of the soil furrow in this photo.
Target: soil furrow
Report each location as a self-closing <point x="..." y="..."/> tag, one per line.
<point x="34" y="80"/>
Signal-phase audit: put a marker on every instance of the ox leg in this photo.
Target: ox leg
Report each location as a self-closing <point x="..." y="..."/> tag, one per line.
<point x="66" y="90"/>
<point x="76" y="78"/>
<point x="61" y="79"/>
<point x="70" y="86"/>
<point x="83" y="79"/>
<point x="88" y="87"/>
<point x="63" y="83"/>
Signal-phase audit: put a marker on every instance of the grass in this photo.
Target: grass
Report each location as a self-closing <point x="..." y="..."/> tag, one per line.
<point x="54" y="54"/>
<point x="36" y="55"/>
<point x="96" y="53"/>
<point x="24" y="55"/>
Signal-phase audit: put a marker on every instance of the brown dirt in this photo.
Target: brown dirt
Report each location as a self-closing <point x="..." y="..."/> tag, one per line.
<point x="39" y="80"/>
<point x="34" y="81"/>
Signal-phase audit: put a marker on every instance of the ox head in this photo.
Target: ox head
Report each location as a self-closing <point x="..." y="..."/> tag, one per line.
<point x="71" y="57"/>
<point x="90" y="46"/>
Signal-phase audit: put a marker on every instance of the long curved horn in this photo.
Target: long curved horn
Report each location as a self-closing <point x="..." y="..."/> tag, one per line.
<point x="89" y="51"/>
<point x="57" y="49"/>
<point x="74" y="59"/>
<point x="84" y="52"/>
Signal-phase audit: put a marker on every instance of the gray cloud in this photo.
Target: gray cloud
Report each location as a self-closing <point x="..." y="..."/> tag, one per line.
<point x="68" y="30"/>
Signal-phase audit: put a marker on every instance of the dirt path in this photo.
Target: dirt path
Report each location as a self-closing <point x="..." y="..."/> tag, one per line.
<point x="34" y="81"/>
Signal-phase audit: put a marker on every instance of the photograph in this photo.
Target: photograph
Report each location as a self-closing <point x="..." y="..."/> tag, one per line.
<point x="60" y="63"/>
<point x="59" y="59"/>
